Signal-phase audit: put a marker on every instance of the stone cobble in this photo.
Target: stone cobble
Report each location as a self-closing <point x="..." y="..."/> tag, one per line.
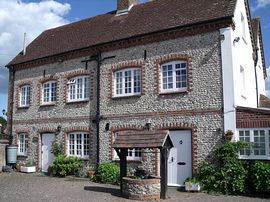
<point x="40" y="188"/>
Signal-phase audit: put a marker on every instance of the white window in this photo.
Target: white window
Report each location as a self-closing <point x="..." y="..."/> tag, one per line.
<point x="79" y="144"/>
<point x="134" y="154"/>
<point x="25" y="96"/>
<point x="259" y="143"/>
<point x="127" y="82"/>
<point x="23" y="144"/>
<point x="243" y="26"/>
<point x="78" y="88"/>
<point x="49" y="92"/>
<point x="174" y="76"/>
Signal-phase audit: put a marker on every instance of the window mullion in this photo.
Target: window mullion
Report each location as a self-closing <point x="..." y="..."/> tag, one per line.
<point x="132" y="81"/>
<point x="267" y="152"/>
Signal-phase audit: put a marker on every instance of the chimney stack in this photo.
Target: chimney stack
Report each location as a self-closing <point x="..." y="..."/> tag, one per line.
<point x="123" y="6"/>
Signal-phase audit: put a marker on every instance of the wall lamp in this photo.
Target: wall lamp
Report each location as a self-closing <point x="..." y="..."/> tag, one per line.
<point x="107" y="126"/>
<point x="58" y="129"/>
<point x="236" y="39"/>
<point x="148" y="125"/>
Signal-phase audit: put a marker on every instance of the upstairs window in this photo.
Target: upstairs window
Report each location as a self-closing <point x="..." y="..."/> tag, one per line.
<point x="242" y="81"/>
<point x="49" y="92"/>
<point x="127" y="82"/>
<point x="174" y="76"/>
<point x="79" y="144"/>
<point x="23" y="144"/>
<point x="25" y="96"/>
<point x="78" y="88"/>
<point x="243" y="26"/>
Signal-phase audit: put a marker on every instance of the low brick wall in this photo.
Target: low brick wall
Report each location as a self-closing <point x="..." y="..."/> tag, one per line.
<point x="141" y="189"/>
<point x="3" y="144"/>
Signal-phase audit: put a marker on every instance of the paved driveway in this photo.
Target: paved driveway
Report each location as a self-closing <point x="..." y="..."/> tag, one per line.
<point x="36" y="187"/>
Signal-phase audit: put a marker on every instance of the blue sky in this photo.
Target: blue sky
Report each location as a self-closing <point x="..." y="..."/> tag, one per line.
<point x="19" y="16"/>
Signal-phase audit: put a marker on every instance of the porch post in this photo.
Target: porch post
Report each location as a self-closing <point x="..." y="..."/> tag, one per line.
<point x="163" y="172"/>
<point x="123" y="165"/>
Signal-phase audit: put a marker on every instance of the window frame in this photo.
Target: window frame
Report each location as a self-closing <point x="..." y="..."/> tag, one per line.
<point x="25" y="91"/>
<point x="251" y="148"/>
<point x="73" y="83"/>
<point x="243" y="27"/>
<point x="83" y="145"/>
<point x="174" y="89"/>
<point x="22" y="145"/>
<point x="123" y="82"/>
<point x="51" y="82"/>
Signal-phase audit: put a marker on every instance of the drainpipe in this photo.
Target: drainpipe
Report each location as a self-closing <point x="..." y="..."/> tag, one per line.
<point x="256" y="81"/>
<point x="98" y="58"/>
<point x="10" y="104"/>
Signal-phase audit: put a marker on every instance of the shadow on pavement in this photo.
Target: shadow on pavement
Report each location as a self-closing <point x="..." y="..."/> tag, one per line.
<point x="112" y="191"/>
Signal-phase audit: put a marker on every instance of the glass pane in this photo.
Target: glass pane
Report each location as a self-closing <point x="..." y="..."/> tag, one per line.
<point x="259" y="142"/>
<point x="244" y="136"/>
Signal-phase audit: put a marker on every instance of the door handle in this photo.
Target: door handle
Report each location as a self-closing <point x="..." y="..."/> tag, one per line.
<point x="181" y="163"/>
<point x="172" y="159"/>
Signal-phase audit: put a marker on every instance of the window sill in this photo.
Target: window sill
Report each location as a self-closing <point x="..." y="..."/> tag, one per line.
<point x="22" y="156"/>
<point x="23" y="107"/>
<point x="126" y="97"/>
<point x="244" y="40"/>
<point x="77" y="101"/>
<point x="130" y="161"/>
<point x="173" y="92"/>
<point x="48" y="105"/>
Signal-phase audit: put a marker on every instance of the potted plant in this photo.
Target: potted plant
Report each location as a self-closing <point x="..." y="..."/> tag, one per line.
<point x="228" y="135"/>
<point x="29" y="167"/>
<point x="192" y="184"/>
<point x="90" y="170"/>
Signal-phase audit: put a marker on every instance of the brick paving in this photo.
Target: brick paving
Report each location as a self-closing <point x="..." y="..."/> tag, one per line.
<point x="40" y="188"/>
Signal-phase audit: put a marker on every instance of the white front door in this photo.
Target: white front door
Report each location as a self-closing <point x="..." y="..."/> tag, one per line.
<point x="180" y="160"/>
<point x="46" y="154"/>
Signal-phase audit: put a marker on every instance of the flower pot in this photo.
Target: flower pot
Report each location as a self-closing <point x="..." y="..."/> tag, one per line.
<point x="29" y="169"/>
<point x="90" y="173"/>
<point x="192" y="186"/>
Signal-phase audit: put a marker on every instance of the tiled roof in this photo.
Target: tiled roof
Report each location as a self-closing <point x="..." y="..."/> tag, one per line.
<point x="256" y="31"/>
<point x="264" y="101"/>
<point x="142" y="139"/>
<point x="142" y="19"/>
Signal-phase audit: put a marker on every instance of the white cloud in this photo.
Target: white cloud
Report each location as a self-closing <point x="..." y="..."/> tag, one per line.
<point x="18" y="17"/>
<point x="260" y="4"/>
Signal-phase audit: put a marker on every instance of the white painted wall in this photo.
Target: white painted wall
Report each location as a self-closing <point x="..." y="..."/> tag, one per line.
<point x="237" y="57"/>
<point x="243" y="58"/>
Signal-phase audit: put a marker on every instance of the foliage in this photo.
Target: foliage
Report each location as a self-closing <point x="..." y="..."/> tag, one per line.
<point x="3" y="122"/>
<point x="141" y="173"/>
<point x="226" y="174"/>
<point x="191" y="180"/>
<point x="107" y="172"/>
<point x="57" y="149"/>
<point x="66" y="165"/>
<point x="260" y="176"/>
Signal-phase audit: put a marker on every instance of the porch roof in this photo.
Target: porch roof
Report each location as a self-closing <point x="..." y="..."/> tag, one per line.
<point x="142" y="139"/>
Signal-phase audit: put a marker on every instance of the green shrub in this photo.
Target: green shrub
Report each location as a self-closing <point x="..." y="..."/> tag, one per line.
<point x="66" y="165"/>
<point x="107" y="172"/>
<point x="260" y="176"/>
<point x="57" y="149"/>
<point x="226" y="174"/>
